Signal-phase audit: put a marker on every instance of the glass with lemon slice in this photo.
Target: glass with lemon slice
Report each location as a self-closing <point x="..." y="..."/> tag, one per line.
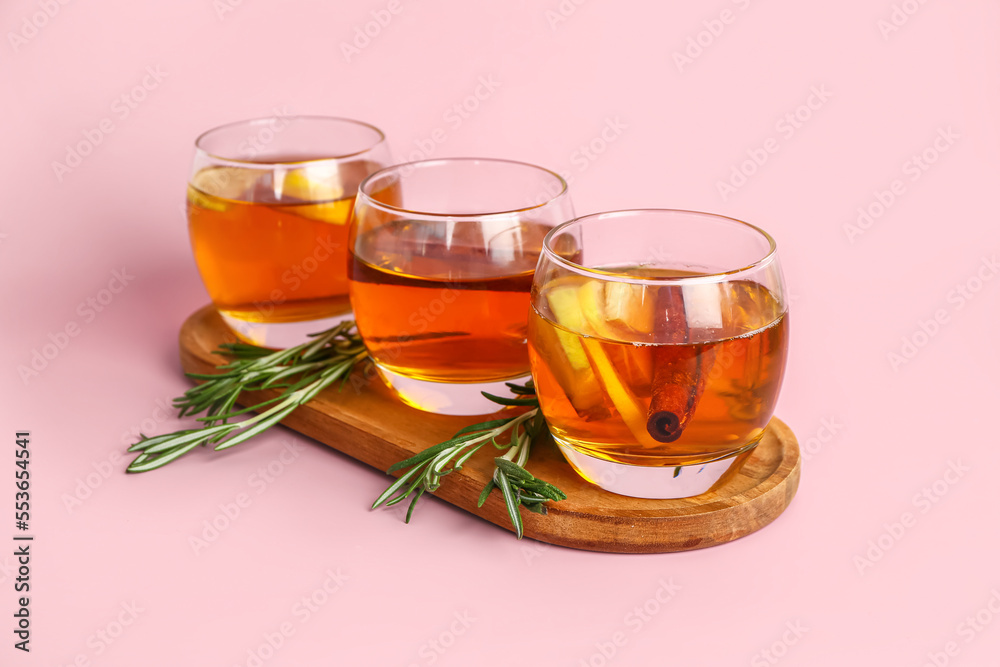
<point x="269" y="204"/>
<point x="657" y="341"/>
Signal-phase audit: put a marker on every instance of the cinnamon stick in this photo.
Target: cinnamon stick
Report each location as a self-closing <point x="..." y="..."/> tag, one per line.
<point x="679" y="370"/>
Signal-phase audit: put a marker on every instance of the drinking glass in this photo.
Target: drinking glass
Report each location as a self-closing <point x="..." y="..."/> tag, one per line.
<point x="268" y="205"/>
<point x="658" y="342"/>
<point x="442" y="258"/>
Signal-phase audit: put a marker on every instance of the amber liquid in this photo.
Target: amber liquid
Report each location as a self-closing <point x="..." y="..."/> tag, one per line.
<point x="420" y="315"/>
<point x="596" y="388"/>
<point x="272" y="246"/>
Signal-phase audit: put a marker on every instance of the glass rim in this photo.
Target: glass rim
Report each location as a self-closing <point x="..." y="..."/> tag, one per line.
<point x="613" y="276"/>
<point x="362" y="188"/>
<point x="249" y="122"/>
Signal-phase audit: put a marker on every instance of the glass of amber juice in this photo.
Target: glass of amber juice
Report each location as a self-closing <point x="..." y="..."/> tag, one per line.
<point x="440" y="275"/>
<point x="268" y="205"/>
<point x="658" y="342"/>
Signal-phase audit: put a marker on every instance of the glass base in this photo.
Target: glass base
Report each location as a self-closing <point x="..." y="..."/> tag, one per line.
<point x="447" y="398"/>
<point x="655" y="482"/>
<point x="280" y="335"/>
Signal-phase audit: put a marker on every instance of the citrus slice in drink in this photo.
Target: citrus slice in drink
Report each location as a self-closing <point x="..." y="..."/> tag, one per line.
<point x="320" y="183"/>
<point x="579" y="384"/>
<point x="211" y="188"/>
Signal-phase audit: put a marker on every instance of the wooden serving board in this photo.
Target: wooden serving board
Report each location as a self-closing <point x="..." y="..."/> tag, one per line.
<point x="372" y="426"/>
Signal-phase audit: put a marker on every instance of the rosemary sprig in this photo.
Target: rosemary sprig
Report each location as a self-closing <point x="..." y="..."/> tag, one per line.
<point x="517" y="485"/>
<point x="304" y="371"/>
<point x="301" y="372"/>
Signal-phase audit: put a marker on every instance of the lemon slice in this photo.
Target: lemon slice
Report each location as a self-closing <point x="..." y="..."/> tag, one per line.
<point x="201" y="200"/>
<point x="321" y="183"/>
<point x="632" y="410"/>
<point x="314" y="183"/>
<point x="593" y="308"/>
<point x="578" y="384"/>
<point x="581" y="386"/>
<point x="211" y="188"/>
<point x="565" y="305"/>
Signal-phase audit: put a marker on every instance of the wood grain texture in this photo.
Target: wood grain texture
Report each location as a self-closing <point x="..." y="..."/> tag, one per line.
<point x="367" y="423"/>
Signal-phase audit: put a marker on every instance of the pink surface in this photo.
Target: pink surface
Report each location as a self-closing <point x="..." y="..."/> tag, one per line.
<point x="880" y="431"/>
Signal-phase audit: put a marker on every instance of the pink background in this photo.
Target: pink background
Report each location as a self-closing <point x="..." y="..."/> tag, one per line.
<point x="893" y="428"/>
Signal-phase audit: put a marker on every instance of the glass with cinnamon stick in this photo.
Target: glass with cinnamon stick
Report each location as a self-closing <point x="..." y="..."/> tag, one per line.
<point x="657" y="341"/>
